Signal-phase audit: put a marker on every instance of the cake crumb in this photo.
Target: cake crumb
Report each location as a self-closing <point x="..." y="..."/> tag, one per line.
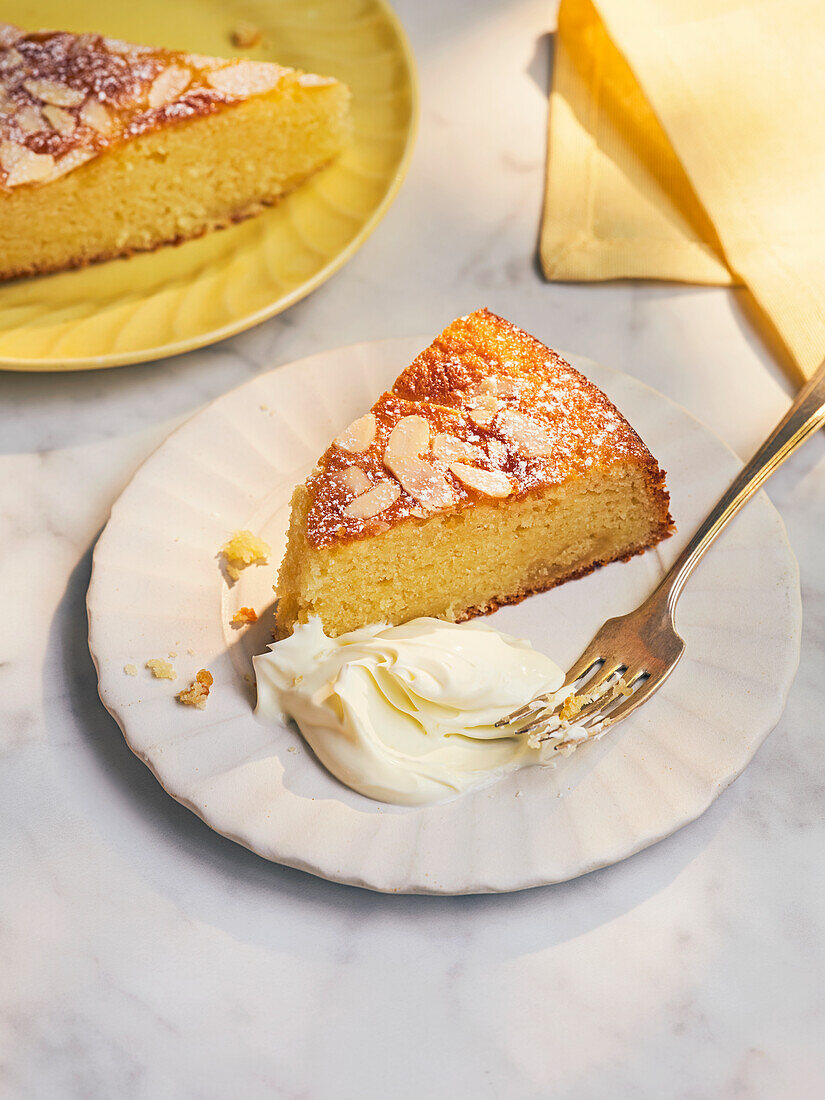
<point x="245" y="35"/>
<point x="198" y="691"/>
<point x="291" y="748"/>
<point x="241" y="549"/>
<point x="245" y="615"/>
<point x="161" y="669"/>
<point x="519" y="794"/>
<point x="172" y="655"/>
<point x="130" y="670"/>
<point x="191" y="652"/>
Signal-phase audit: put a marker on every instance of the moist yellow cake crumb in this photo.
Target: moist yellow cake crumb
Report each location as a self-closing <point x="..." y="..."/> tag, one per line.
<point x="109" y="148"/>
<point x="245" y="615"/>
<point x="490" y="471"/>
<point x="198" y="691"/>
<point x="241" y="549"/>
<point x="161" y="669"/>
<point x="130" y="670"/>
<point x="574" y="704"/>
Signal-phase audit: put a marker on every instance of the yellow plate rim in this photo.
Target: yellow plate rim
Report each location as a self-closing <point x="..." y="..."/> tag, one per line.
<point x="214" y="336"/>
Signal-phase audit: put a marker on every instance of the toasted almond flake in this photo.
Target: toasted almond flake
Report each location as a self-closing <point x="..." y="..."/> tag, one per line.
<point x="447" y="448"/>
<point x="497" y="451"/>
<point x="499" y="385"/>
<point x="408" y="440"/>
<point x="94" y="115"/>
<point x="483" y="409"/>
<point x="168" y="85"/>
<point x="359" y="436"/>
<point x="50" y="91"/>
<point x="61" y="119"/>
<point x="380" y="497"/>
<point x="71" y="160"/>
<point x="9" y="34"/>
<point x="529" y="436"/>
<point x="12" y="59"/>
<point x="24" y="166"/>
<point x="245" y="78"/>
<point x="114" y="45"/>
<point x="354" y="480"/>
<point x="313" y="80"/>
<point x="205" y="61"/>
<point x="493" y="483"/>
<point x="30" y="120"/>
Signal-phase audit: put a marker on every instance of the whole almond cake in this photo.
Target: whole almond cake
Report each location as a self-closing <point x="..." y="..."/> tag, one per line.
<point x="492" y="470"/>
<point x="107" y="148"/>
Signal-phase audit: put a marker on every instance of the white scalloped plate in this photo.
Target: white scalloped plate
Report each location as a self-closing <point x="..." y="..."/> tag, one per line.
<point x="156" y="587"/>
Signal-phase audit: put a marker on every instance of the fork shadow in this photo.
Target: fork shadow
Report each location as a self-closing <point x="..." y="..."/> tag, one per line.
<point x="217" y="881"/>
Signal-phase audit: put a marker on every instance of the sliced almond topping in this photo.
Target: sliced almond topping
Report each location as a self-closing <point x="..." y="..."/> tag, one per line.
<point x="116" y="46"/>
<point x="408" y="440"/>
<point x="359" y="436"/>
<point x="205" y="61"/>
<point x="447" y="448"/>
<point x="497" y="451"/>
<point x="168" y="85"/>
<point x="49" y="91"/>
<point x="498" y="385"/>
<point x="61" y="119"/>
<point x="12" y="59"/>
<point x="354" y="480"/>
<point x="493" y="483"/>
<point x="95" y="115"/>
<point x="313" y="80"/>
<point x="484" y="409"/>
<point x="71" y="160"/>
<point x="529" y="436"/>
<point x="30" y="120"/>
<point x="9" y="34"/>
<point x="24" y="166"/>
<point x="245" y="78"/>
<point x="380" y="497"/>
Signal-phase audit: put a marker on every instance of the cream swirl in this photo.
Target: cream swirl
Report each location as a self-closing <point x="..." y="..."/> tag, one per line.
<point x="406" y="714"/>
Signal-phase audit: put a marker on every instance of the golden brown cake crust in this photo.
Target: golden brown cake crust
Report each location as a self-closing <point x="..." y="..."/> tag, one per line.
<point x="66" y="98"/>
<point x="504" y="417"/>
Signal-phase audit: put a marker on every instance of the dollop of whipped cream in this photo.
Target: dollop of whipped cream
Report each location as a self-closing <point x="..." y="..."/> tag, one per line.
<point x="407" y="714"/>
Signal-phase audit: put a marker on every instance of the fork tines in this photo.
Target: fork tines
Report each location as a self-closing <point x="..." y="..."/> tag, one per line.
<point x="589" y="707"/>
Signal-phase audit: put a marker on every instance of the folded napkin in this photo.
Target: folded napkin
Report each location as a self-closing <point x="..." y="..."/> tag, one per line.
<point x="687" y="141"/>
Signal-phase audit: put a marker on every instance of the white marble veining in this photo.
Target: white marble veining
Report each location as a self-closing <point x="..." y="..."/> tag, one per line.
<point x="143" y="956"/>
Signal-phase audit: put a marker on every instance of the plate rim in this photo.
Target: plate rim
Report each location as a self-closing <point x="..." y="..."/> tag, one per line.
<point x="294" y="367"/>
<point x="59" y="365"/>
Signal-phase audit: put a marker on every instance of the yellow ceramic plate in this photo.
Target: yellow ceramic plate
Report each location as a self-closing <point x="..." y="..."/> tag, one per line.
<point x="166" y="302"/>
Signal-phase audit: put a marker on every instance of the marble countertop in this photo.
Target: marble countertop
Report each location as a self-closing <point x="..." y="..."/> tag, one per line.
<point x="143" y="956"/>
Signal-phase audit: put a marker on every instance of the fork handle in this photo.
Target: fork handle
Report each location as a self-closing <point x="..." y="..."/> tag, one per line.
<point x="805" y="416"/>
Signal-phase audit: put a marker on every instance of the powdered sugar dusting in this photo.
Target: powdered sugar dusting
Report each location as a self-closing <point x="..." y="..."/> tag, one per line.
<point x="106" y="92"/>
<point x="547" y="423"/>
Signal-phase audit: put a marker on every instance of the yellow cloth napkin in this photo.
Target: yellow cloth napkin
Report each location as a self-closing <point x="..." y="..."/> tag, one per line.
<point x="687" y="141"/>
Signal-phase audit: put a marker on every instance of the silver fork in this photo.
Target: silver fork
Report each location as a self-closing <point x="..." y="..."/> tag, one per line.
<point x="631" y="656"/>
